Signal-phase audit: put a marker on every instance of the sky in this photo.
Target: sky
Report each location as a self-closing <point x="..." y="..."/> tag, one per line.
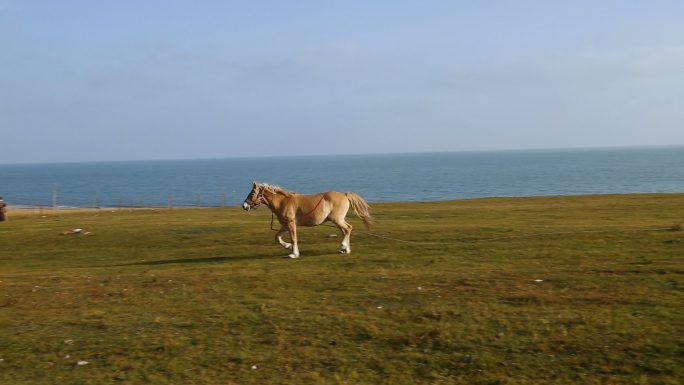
<point x="88" y="81"/>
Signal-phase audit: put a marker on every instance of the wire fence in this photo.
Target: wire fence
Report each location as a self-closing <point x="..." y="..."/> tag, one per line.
<point x="224" y="198"/>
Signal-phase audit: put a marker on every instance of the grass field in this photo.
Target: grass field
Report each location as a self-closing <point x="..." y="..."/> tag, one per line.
<point x="547" y="290"/>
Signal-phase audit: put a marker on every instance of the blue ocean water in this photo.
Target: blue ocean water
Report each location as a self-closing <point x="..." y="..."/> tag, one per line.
<point x="377" y="178"/>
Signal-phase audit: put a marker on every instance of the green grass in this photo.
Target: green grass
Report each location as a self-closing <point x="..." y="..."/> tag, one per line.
<point x="203" y="296"/>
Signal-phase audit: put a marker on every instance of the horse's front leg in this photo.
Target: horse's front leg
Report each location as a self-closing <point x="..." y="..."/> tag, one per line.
<point x="279" y="238"/>
<point x="292" y="227"/>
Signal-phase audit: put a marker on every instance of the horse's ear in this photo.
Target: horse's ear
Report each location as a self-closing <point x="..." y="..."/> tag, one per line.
<point x="255" y="184"/>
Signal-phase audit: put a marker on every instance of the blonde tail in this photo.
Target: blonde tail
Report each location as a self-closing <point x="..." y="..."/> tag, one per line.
<point x="361" y="209"/>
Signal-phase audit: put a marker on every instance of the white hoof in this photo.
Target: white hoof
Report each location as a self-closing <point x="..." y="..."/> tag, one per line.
<point x="292" y="256"/>
<point x="288" y="246"/>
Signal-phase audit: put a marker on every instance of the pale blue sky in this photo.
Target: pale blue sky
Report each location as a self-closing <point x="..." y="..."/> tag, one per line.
<point x="96" y="81"/>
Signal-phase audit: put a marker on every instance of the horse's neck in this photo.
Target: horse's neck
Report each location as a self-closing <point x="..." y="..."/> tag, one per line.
<point x="275" y="200"/>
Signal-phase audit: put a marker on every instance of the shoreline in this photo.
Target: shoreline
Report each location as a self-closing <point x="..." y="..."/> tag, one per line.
<point x="22" y="208"/>
<point x="50" y="208"/>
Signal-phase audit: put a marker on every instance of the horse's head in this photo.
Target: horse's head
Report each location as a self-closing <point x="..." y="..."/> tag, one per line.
<point x="255" y="197"/>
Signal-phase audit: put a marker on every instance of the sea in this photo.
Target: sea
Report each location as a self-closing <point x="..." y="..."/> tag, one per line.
<point x="415" y="177"/>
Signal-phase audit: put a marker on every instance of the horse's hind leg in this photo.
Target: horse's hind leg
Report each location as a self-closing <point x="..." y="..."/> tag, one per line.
<point x="346" y="232"/>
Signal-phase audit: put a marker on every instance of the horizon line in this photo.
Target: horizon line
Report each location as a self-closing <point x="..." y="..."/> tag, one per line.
<point x="353" y="154"/>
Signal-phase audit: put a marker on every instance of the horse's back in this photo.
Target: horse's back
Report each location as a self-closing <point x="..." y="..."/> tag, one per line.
<point x="314" y="209"/>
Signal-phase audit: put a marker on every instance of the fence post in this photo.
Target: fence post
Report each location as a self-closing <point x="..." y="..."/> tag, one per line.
<point x="54" y="201"/>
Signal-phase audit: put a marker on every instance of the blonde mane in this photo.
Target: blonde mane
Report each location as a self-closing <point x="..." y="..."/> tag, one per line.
<point x="276" y="189"/>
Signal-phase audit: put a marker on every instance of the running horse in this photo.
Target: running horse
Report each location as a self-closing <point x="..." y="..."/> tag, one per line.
<point x="293" y="209"/>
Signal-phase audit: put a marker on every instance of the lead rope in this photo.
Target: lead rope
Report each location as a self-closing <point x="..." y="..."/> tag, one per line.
<point x="515" y="236"/>
<point x="314" y="209"/>
<point x="494" y="239"/>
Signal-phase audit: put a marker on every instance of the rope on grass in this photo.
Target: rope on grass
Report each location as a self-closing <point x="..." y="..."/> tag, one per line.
<point x="567" y="232"/>
<point x="397" y="240"/>
<point x="403" y="241"/>
<point x="517" y="236"/>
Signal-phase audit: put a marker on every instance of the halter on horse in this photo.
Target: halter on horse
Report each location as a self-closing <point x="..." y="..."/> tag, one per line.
<point x="256" y="201"/>
<point x="293" y="209"/>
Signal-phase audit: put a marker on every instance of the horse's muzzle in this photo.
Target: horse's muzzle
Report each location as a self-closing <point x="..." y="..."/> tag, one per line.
<point x="248" y="206"/>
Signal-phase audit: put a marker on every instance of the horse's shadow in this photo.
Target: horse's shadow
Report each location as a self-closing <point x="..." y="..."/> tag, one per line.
<point x="196" y="260"/>
<point x="214" y="259"/>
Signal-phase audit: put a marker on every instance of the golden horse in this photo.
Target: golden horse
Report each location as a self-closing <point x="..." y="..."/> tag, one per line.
<point x="293" y="209"/>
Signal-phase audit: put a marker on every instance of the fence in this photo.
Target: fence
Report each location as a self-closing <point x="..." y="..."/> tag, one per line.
<point x="218" y="200"/>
